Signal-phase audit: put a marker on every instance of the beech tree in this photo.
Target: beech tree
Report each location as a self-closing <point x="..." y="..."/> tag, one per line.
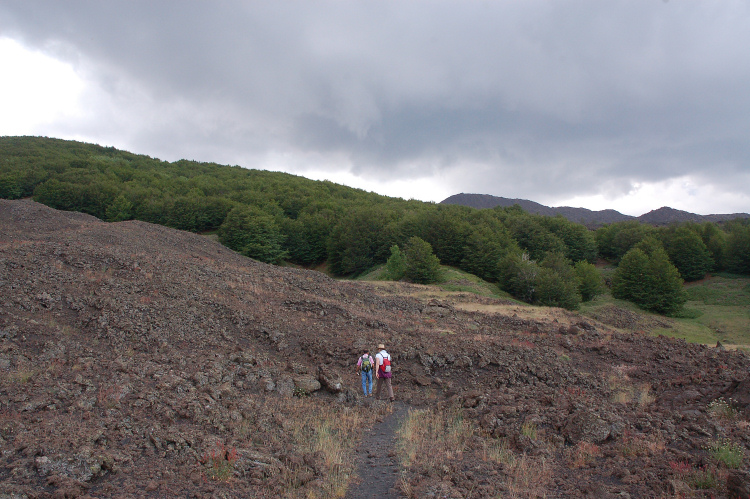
<point x="715" y="240"/>
<point x="688" y="253"/>
<point x="554" y="290"/>
<point x="446" y="232"/>
<point x="10" y="185"/>
<point x="119" y="210"/>
<point x="355" y="243"/>
<point x="649" y="280"/>
<point x="395" y="267"/>
<point x="738" y="249"/>
<point x="590" y="281"/>
<point x="422" y="266"/>
<point x="664" y="286"/>
<point x="518" y="275"/>
<point x="629" y="278"/>
<point x="580" y="243"/>
<point x="533" y="237"/>
<point x="556" y="284"/>
<point x="253" y="233"/>
<point x="484" y="249"/>
<point x="616" y="239"/>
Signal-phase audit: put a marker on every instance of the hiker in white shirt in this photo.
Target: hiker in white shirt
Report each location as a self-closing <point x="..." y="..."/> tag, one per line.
<point x="383" y="372"/>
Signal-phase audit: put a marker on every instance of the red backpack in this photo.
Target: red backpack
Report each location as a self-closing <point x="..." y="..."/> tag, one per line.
<point x="386" y="366"/>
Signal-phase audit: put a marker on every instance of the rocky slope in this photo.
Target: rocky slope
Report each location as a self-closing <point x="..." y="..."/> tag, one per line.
<point x="129" y="352"/>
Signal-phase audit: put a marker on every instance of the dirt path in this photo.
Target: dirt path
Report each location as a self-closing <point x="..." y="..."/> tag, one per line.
<point x="378" y="467"/>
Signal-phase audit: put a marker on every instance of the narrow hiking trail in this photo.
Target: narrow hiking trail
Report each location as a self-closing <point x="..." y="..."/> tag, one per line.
<point x="377" y="466"/>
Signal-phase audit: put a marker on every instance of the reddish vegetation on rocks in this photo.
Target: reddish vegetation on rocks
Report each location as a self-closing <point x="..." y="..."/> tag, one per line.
<point x="136" y="359"/>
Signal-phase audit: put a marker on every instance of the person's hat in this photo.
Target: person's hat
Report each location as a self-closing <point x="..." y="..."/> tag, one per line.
<point x="381" y="346"/>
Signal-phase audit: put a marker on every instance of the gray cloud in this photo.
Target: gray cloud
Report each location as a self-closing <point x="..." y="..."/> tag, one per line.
<point x="542" y="100"/>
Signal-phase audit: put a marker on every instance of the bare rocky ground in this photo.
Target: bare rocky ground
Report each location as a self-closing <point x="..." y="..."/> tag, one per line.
<point x="129" y="352"/>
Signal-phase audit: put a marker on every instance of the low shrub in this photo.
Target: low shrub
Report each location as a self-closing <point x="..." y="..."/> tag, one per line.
<point x="703" y="478"/>
<point x="722" y="409"/>
<point x="219" y="463"/>
<point x="727" y="453"/>
<point x="529" y="430"/>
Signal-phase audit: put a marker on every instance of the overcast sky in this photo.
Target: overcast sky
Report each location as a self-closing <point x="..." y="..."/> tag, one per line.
<point x="623" y="104"/>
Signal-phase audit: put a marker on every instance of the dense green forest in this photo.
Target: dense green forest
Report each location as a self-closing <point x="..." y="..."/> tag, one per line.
<point x="277" y="217"/>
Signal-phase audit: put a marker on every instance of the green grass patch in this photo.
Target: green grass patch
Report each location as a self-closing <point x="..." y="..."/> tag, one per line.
<point x="690" y="331"/>
<point x="458" y="281"/>
<point x="723" y="302"/>
<point x="605" y="300"/>
<point x="717" y="310"/>
<point x="376" y="273"/>
<point x="724" y="290"/>
<point x="454" y="281"/>
<point x="213" y="235"/>
<point x="687" y="313"/>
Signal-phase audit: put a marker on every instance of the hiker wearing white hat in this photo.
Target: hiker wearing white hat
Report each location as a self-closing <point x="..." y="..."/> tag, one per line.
<point x="383" y="371"/>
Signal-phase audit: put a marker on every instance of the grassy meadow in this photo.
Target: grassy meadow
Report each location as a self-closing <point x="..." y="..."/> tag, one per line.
<point x="717" y="310"/>
<point x="720" y="306"/>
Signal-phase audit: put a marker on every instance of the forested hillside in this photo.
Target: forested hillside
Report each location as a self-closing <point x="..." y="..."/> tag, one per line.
<point x="278" y="217"/>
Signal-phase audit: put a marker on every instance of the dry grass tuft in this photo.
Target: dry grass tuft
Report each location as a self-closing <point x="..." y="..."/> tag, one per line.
<point x="434" y="443"/>
<point x="330" y="432"/>
<point x="20" y="375"/>
<point x="625" y="392"/>
<point x="723" y="410"/>
<point x="499" y="452"/>
<point x="632" y="445"/>
<point x="529" y="478"/>
<point x="431" y="437"/>
<point x="584" y="454"/>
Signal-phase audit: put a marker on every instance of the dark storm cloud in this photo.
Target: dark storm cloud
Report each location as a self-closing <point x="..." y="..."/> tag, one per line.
<point x="552" y="99"/>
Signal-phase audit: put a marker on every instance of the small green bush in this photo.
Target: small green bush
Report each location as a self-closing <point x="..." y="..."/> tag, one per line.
<point x="722" y="409"/>
<point x="727" y="453"/>
<point x="703" y="479"/>
<point x="300" y="392"/>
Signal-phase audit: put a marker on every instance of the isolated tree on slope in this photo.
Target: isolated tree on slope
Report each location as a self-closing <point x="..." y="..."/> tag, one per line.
<point x="649" y="280"/>
<point x="395" y="267"/>
<point x="665" y="293"/>
<point x="422" y="266"/>
<point x="555" y="290"/>
<point x="629" y="278"/>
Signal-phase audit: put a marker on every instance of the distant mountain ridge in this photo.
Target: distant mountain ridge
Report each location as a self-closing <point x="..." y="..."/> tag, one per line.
<point x="590" y="218"/>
